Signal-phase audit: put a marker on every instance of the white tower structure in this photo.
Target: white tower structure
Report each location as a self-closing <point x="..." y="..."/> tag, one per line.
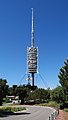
<point x="32" y="54"/>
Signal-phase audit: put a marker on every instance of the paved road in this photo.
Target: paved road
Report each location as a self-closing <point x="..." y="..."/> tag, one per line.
<point x="32" y="113"/>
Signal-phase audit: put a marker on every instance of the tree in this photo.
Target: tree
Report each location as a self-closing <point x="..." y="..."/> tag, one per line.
<point x="39" y="94"/>
<point x="12" y="90"/>
<point x="63" y="76"/>
<point x="22" y="93"/>
<point x="3" y="90"/>
<point x="63" y="79"/>
<point x="57" y="94"/>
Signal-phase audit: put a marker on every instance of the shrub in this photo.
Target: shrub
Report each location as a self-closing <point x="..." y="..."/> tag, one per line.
<point x="66" y="109"/>
<point x="51" y="104"/>
<point x="8" y="109"/>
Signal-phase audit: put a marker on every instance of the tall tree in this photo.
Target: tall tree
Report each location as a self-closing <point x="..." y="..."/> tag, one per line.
<point x="63" y="76"/>
<point x="63" y="79"/>
<point x="3" y="90"/>
<point x="22" y="93"/>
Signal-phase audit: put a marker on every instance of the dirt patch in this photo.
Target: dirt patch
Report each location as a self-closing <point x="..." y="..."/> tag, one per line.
<point x="62" y="115"/>
<point x="65" y="115"/>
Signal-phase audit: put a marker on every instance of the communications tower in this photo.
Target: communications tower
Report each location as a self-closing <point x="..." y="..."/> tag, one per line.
<point x="32" y="55"/>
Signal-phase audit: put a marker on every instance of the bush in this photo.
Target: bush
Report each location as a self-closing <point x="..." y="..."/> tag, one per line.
<point x="5" y="109"/>
<point x="64" y="105"/>
<point x="66" y="109"/>
<point x="9" y="109"/>
<point x="51" y="104"/>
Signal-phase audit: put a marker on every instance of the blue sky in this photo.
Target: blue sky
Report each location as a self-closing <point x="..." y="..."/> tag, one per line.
<point x="51" y="37"/>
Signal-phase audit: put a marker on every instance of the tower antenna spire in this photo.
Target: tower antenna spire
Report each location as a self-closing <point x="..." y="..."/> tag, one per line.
<point x="32" y="37"/>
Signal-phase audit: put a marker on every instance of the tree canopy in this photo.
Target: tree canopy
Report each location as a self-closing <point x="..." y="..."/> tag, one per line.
<point x="63" y="76"/>
<point x="3" y="90"/>
<point x="63" y="79"/>
<point x="57" y="95"/>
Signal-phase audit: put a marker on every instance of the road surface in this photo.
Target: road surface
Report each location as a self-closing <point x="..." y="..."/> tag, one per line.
<point x="32" y="113"/>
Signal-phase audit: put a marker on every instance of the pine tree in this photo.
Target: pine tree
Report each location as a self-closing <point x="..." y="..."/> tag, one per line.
<point x="63" y="76"/>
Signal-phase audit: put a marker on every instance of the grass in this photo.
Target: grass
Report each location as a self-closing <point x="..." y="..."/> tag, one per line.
<point x="9" y="110"/>
<point x="66" y="109"/>
<point x="50" y="104"/>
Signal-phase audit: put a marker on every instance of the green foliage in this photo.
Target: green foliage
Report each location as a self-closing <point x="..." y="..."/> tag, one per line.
<point x="63" y="77"/>
<point x="51" y="104"/>
<point x="12" y="109"/>
<point x="22" y="93"/>
<point x="58" y="95"/>
<point x="39" y="95"/>
<point x="66" y="109"/>
<point x="5" y="100"/>
<point x="12" y="90"/>
<point x="8" y="109"/>
<point x="27" y="93"/>
<point x="3" y="90"/>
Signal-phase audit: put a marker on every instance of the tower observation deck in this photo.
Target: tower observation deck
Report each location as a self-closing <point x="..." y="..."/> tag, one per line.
<point x="32" y="54"/>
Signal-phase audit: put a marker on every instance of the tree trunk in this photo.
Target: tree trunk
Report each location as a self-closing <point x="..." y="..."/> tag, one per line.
<point x="22" y="101"/>
<point x="1" y="101"/>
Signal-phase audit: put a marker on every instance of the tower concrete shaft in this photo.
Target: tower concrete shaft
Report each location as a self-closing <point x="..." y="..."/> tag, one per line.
<point x="32" y="79"/>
